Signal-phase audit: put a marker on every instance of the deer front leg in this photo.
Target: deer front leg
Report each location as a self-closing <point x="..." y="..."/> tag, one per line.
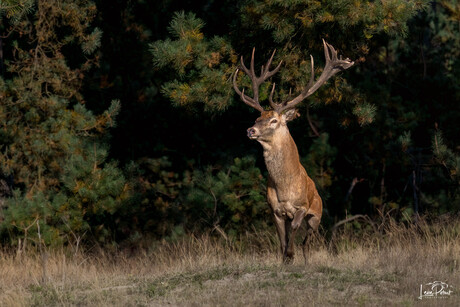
<point x="280" y="223"/>
<point x="295" y="225"/>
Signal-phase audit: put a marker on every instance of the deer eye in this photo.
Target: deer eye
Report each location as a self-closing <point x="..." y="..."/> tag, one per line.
<point x="273" y="121"/>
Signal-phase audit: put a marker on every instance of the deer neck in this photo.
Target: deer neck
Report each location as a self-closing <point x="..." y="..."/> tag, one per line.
<point x="281" y="155"/>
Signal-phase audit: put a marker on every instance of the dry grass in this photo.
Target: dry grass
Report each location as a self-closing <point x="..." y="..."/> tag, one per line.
<point x="375" y="268"/>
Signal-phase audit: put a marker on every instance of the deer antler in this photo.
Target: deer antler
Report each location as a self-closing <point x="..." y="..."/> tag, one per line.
<point x="333" y="66"/>
<point x="256" y="81"/>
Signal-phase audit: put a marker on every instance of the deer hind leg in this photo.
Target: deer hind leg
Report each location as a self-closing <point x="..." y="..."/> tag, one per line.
<point x="312" y="228"/>
<point x="295" y="225"/>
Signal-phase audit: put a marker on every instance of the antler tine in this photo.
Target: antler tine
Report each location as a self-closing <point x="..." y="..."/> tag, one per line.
<point x="246" y="70"/>
<point x="280" y="106"/>
<point x="312" y="73"/>
<point x="266" y="73"/>
<point x="251" y="73"/>
<point x="270" y="98"/>
<point x="269" y="62"/>
<point x="252" y="61"/>
<point x="326" y="51"/>
<point x="333" y="65"/>
<point x="246" y="99"/>
<point x="251" y="102"/>
<point x="256" y="81"/>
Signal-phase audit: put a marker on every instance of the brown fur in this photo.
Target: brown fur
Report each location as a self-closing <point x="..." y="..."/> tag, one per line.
<point x="291" y="194"/>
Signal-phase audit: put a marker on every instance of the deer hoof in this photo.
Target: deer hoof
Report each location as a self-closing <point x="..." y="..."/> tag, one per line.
<point x="288" y="260"/>
<point x="288" y="257"/>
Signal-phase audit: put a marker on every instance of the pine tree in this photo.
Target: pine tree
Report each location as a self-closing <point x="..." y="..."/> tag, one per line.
<point x="15" y="9"/>
<point x="204" y="64"/>
<point x="231" y="199"/>
<point x="351" y="101"/>
<point x="416" y="88"/>
<point x="203" y="67"/>
<point x="52" y="146"/>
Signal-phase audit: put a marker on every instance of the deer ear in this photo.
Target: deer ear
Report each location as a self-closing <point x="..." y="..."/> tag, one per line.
<point x="290" y="114"/>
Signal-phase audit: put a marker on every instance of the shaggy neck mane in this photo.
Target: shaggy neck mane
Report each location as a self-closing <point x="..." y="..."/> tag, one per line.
<point x="281" y="156"/>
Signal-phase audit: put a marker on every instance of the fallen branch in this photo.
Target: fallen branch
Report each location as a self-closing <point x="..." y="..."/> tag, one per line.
<point x="351" y="219"/>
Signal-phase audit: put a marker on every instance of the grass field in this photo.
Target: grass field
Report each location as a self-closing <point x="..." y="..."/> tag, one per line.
<point x="382" y="267"/>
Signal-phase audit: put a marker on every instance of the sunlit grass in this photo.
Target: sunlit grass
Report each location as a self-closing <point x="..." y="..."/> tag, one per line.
<point x="378" y="267"/>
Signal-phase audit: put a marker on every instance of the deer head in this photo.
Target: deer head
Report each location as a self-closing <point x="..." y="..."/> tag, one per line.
<point x="279" y="114"/>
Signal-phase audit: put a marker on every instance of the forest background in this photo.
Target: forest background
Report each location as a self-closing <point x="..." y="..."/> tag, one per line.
<point x="119" y="125"/>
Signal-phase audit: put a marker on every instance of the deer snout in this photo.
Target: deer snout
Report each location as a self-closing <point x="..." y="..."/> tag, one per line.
<point x="252" y="133"/>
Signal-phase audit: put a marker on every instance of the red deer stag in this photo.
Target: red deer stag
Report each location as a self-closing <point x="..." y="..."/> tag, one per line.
<point x="291" y="193"/>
